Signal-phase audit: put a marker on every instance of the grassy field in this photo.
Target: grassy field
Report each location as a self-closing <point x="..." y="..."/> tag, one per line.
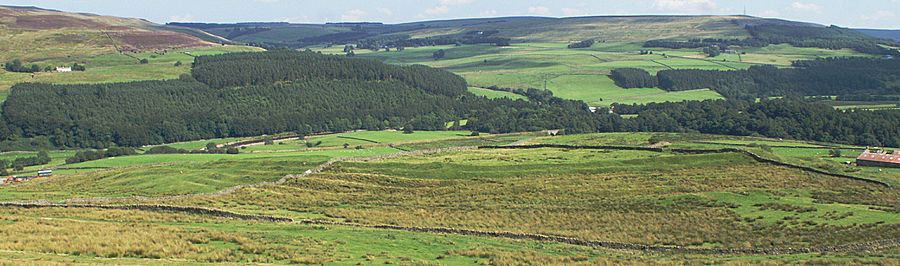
<point x="176" y="174"/>
<point x="115" y="67"/>
<point x="796" y="152"/>
<point x="657" y="198"/>
<point x="600" y="90"/>
<point x="598" y="195"/>
<point x="195" y="240"/>
<point x="357" y="139"/>
<point x="581" y="74"/>
<point x="492" y="94"/>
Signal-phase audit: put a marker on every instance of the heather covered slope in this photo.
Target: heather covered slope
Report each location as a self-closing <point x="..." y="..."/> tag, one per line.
<point x="33" y="34"/>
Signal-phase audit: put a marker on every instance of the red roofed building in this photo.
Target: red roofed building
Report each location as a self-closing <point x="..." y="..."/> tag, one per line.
<point x="879" y="159"/>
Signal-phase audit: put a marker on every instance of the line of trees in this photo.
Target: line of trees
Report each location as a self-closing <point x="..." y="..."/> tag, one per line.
<point x="633" y="78"/>
<point x="832" y="76"/>
<point x="790" y="118"/>
<point x="92" y="155"/>
<point x="19" y="164"/>
<point x="244" y="69"/>
<point x="211" y="148"/>
<point x="16" y="65"/>
<point x="582" y="44"/>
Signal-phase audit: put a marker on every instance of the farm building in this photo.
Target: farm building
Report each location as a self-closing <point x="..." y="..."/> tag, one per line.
<point x="63" y="69"/>
<point x="879" y="159"/>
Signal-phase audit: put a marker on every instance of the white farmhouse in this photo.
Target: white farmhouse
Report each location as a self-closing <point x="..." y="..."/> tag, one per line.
<point x="63" y="69"/>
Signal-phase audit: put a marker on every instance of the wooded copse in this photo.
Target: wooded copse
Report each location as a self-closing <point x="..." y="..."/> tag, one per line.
<point x="833" y="76"/>
<point x="789" y="118"/>
<point x="633" y="78"/>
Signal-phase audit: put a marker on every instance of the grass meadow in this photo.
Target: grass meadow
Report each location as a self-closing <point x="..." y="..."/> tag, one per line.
<point x="581" y="74"/>
<point x="657" y="198"/>
<point x="92" y="236"/>
<point x="115" y="67"/>
<point x="626" y="196"/>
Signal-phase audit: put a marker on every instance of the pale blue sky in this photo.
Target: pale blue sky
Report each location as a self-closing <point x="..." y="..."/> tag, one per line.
<point x="857" y="13"/>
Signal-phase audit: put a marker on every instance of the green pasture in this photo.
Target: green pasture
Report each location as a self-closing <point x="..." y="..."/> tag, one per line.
<point x="581" y="74"/>
<point x="116" y="67"/>
<point x="606" y="195"/>
<point x="492" y="94"/>
<point x="211" y="241"/>
<point x="600" y="90"/>
<point x="358" y="138"/>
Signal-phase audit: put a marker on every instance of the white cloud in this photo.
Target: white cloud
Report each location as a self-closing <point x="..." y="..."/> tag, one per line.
<point x="769" y="14"/>
<point x="443" y="7"/>
<point x="438" y="10"/>
<point x="455" y="2"/>
<point x="353" y="15"/>
<point x="488" y="13"/>
<point x="685" y="6"/>
<point x="806" y="7"/>
<point x="539" y="10"/>
<point x="182" y="18"/>
<point x="385" y="11"/>
<point x="571" y="12"/>
<point x="879" y="15"/>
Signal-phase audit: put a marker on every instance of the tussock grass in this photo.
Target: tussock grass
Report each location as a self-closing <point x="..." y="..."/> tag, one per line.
<point x="622" y="196"/>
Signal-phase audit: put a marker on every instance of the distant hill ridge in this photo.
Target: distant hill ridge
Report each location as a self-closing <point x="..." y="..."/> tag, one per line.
<point x="523" y="28"/>
<point x="884" y="34"/>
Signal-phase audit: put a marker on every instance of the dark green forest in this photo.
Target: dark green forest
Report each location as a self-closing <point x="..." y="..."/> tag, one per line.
<point x="832" y="76"/>
<point x="633" y="78"/>
<point x="789" y="118"/>
<point x="251" y="94"/>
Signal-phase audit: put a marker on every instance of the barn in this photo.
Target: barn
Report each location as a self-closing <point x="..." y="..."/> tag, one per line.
<point x="879" y="159"/>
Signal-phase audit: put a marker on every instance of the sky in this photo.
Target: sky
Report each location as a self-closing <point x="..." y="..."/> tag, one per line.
<point x="883" y="14"/>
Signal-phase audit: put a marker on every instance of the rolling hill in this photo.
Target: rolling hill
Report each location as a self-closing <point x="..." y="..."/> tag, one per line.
<point x="884" y="34"/>
<point x="519" y="29"/>
<point x="36" y="34"/>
